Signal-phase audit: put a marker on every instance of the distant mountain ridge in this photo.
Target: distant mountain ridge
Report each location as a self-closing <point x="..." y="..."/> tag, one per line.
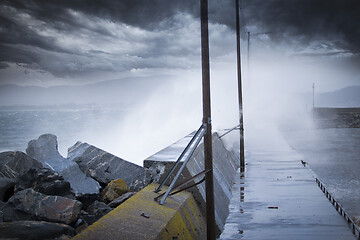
<point x="348" y="97"/>
<point x="119" y="91"/>
<point x="345" y="97"/>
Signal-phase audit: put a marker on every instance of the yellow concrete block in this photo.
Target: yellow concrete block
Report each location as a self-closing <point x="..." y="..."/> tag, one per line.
<point x="141" y="217"/>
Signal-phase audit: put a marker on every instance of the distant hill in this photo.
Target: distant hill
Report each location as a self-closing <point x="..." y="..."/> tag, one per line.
<point x="346" y="97"/>
<point x="121" y="91"/>
<point x="343" y="98"/>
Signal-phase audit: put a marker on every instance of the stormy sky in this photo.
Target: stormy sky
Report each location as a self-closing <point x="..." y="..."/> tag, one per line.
<point x="45" y="42"/>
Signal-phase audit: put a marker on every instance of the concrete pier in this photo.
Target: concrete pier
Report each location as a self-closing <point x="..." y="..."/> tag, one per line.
<point x="277" y="198"/>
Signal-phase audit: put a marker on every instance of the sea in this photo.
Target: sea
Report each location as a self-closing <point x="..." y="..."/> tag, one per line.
<point x="19" y="126"/>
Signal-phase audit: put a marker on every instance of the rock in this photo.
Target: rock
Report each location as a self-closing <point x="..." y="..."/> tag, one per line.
<point x="113" y="190"/>
<point x="49" y="208"/>
<point x="34" y="230"/>
<point x="98" y="209"/>
<point x="10" y="214"/>
<point x="105" y="167"/>
<point x="6" y="188"/>
<point x="88" y="218"/>
<point x="80" y="183"/>
<point x="1" y="216"/>
<point x="117" y="201"/>
<point x="46" y="181"/>
<point x="14" y="163"/>
<point x="45" y="150"/>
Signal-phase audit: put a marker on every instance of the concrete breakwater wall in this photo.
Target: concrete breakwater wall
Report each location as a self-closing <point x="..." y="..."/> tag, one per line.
<point x="225" y="165"/>
<point x="336" y="117"/>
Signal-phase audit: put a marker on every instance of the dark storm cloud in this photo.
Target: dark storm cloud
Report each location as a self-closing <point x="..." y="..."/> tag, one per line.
<point x="331" y="21"/>
<point x="31" y="28"/>
<point x="140" y="13"/>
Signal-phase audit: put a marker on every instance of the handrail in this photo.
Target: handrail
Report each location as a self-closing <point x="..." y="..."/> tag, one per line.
<point x="237" y="127"/>
<point x="196" y="138"/>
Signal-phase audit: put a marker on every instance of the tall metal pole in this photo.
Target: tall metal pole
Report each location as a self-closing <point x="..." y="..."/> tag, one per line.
<point x="241" y="112"/>
<point x="209" y="182"/>
<point x="248" y="55"/>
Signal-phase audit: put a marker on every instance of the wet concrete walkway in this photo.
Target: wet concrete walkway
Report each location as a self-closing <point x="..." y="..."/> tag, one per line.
<point x="277" y="198"/>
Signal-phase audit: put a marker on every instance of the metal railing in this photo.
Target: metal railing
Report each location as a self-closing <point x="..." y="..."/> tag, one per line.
<point x="339" y="208"/>
<point x="187" y="153"/>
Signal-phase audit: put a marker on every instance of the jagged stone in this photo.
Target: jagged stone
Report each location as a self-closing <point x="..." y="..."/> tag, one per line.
<point x="6" y="188"/>
<point x="34" y="230"/>
<point x="88" y="218"/>
<point x="45" y="150"/>
<point x="113" y="190"/>
<point x="80" y="183"/>
<point x="46" y="181"/>
<point x="10" y="214"/>
<point x="98" y="209"/>
<point x="105" y="167"/>
<point x="14" y="163"/>
<point x="117" y="201"/>
<point x="49" y="208"/>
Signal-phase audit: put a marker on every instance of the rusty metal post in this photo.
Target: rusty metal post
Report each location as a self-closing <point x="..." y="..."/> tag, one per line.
<point x="209" y="182"/>
<point x="241" y="111"/>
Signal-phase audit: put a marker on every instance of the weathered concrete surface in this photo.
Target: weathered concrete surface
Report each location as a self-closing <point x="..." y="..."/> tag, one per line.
<point x="277" y="198"/>
<point x="141" y="217"/>
<point x="45" y="150"/>
<point x="225" y="165"/>
<point x="105" y="167"/>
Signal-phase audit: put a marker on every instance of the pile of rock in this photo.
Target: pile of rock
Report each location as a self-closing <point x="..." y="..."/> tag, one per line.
<point x="46" y="196"/>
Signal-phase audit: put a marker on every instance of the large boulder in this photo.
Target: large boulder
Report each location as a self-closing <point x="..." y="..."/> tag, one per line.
<point x="46" y="181"/>
<point x="105" y="167"/>
<point x="45" y="150"/>
<point x="113" y="190"/>
<point x="34" y="230"/>
<point x="48" y="208"/>
<point x="6" y="188"/>
<point x="14" y="163"/>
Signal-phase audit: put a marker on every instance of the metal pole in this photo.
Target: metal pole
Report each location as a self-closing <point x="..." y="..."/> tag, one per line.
<point x="248" y="54"/>
<point x="209" y="182"/>
<point x="241" y="112"/>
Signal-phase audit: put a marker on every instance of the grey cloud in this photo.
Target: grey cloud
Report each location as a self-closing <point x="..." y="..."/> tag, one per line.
<point x="335" y="21"/>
